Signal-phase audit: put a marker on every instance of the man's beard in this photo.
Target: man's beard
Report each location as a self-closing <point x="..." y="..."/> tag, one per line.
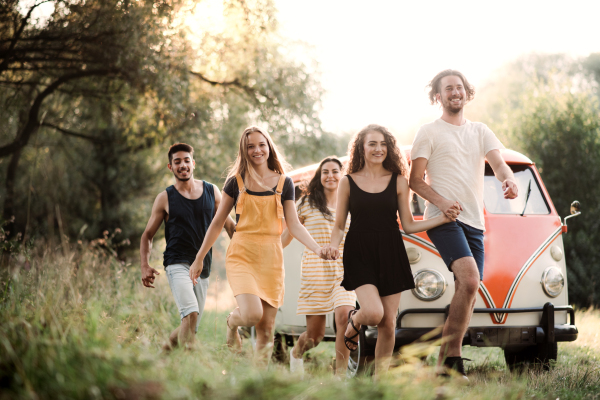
<point x="449" y="108"/>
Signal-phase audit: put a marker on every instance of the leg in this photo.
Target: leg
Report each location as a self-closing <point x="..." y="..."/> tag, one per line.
<point x="187" y="331"/>
<point x="264" y="333"/>
<point x="200" y="290"/>
<point x="185" y="297"/>
<point x="386" y="334"/>
<point x="341" y="351"/>
<point x="315" y="332"/>
<point x="371" y="309"/>
<point x="248" y="313"/>
<point x="461" y="307"/>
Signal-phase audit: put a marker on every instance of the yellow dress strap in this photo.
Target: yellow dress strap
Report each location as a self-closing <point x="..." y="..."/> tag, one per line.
<point x="241" y="196"/>
<point x="278" y="192"/>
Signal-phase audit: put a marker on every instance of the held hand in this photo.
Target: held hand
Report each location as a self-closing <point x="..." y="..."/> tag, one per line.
<point x="510" y="189"/>
<point x="451" y="209"/>
<point x="148" y="275"/>
<point x="196" y="270"/>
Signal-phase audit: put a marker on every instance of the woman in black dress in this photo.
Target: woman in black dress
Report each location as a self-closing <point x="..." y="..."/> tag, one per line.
<point x="375" y="262"/>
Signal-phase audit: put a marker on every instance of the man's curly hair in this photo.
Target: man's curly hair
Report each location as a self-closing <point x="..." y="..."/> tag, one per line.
<point x="394" y="161"/>
<point x="436" y="82"/>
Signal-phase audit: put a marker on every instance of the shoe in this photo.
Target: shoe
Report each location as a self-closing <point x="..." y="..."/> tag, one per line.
<point x="296" y="364"/>
<point x="348" y="340"/>
<point x="455" y="364"/>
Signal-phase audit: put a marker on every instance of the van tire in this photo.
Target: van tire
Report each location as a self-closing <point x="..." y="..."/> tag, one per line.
<point x="541" y="356"/>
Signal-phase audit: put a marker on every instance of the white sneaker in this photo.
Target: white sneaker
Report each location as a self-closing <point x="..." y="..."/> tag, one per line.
<point x="296" y="364"/>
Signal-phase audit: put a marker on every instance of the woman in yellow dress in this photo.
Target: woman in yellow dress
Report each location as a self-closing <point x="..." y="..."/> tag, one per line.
<point x="262" y="195"/>
<point x="320" y="290"/>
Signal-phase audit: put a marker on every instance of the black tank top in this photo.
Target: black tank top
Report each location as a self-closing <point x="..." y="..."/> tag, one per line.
<point x="374" y="211"/>
<point x="187" y="225"/>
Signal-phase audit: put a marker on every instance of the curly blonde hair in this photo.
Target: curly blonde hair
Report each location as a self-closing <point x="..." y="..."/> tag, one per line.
<point x="394" y="161"/>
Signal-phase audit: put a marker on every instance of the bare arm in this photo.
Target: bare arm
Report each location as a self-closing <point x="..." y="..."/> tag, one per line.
<point x="212" y="234"/>
<point x="408" y="223"/>
<point x="159" y="211"/>
<point x="341" y="213"/>
<point x="503" y="173"/>
<point x="420" y="187"/>
<point x="296" y="229"/>
<point x="229" y="222"/>
<point x="286" y="236"/>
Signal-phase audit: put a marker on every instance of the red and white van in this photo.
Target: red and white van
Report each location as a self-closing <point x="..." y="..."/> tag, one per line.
<point x="522" y="305"/>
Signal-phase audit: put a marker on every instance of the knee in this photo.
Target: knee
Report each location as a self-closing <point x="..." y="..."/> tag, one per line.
<point x="314" y="338"/>
<point x="190" y="320"/>
<point x="251" y="318"/>
<point x="470" y="285"/>
<point x="264" y="331"/>
<point x="388" y="323"/>
<point x="371" y="316"/>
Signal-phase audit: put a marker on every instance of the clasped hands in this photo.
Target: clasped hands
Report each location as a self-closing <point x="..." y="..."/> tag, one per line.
<point x="328" y="252"/>
<point x="451" y="210"/>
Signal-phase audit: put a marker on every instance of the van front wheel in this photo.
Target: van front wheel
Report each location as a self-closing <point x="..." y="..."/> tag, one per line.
<point x="541" y="355"/>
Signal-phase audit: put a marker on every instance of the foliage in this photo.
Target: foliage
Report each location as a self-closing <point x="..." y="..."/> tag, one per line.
<point x="80" y="325"/>
<point x="546" y="106"/>
<point x="560" y="131"/>
<point x="86" y="119"/>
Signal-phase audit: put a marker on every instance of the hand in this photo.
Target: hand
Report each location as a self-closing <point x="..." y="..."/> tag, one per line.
<point x="450" y="209"/>
<point x="148" y="275"/>
<point x="329" y="253"/>
<point x="196" y="270"/>
<point x="511" y="191"/>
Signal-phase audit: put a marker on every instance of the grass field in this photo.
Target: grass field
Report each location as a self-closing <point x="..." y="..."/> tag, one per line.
<point x="82" y="326"/>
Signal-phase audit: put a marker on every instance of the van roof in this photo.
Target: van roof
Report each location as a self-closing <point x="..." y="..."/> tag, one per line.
<point x="510" y="156"/>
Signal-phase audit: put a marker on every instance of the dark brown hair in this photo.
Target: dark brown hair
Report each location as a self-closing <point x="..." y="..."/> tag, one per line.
<point x="394" y="161"/>
<point x="315" y="192"/>
<point x="435" y="83"/>
<point x="180" y="147"/>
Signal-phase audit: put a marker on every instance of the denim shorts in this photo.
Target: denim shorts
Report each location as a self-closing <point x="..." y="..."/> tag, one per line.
<point x="456" y="240"/>
<point x="189" y="298"/>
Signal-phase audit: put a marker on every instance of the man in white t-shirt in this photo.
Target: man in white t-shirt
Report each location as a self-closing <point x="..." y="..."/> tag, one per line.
<point x="451" y="153"/>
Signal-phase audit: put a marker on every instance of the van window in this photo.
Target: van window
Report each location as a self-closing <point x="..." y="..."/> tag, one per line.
<point x="417" y="205"/>
<point x="494" y="200"/>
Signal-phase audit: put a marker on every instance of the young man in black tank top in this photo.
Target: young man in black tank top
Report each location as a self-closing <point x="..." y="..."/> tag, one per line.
<point x="187" y="208"/>
<point x="452" y="150"/>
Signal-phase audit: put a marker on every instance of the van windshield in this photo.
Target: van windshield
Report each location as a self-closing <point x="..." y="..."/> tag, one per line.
<point x="495" y="202"/>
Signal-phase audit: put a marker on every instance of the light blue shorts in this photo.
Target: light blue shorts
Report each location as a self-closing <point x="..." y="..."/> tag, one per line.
<point x="189" y="298"/>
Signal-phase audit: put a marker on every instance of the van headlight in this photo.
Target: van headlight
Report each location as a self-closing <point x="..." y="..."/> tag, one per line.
<point x="553" y="281"/>
<point x="429" y="285"/>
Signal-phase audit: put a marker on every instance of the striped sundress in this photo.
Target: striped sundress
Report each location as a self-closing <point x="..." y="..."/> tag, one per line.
<point x="320" y="290"/>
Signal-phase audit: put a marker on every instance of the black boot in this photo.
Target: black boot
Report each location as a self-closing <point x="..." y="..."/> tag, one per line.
<point x="455" y="363"/>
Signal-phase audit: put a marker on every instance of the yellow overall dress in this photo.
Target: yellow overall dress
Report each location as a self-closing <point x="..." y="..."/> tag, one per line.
<point x="254" y="260"/>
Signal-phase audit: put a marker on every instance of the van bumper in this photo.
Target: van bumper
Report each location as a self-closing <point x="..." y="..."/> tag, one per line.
<point x="490" y="336"/>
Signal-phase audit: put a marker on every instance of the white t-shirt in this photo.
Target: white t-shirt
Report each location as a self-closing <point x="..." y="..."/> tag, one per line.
<point x="456" y="165"/>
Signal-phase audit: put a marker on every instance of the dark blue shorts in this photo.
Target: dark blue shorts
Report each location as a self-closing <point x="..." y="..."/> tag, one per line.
<point x="456" y="240"/>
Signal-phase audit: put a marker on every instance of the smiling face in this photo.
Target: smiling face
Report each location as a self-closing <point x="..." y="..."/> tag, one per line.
<point x="331" y="173"/>
<point x="452" y="95"/>
<point x="375" y="147"/>
<point x="182" y="165"/>
<point x="257" y="148"/>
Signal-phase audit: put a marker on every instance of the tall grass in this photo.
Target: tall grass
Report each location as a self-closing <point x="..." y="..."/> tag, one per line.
<point x="81" y="325"/>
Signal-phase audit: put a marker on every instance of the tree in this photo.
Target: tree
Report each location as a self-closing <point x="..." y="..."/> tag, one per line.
<point x="560" y="131"/>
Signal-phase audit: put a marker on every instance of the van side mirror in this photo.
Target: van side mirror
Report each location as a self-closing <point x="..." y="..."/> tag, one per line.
<point x="575" y="207"/>
<point x="575" y="211"/>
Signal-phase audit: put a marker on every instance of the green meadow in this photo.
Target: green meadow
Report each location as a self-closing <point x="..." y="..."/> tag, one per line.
<point x="82" y="326"/>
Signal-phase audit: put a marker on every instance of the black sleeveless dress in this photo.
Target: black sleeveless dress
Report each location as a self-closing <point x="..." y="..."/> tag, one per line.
<point x="374" y="252"/>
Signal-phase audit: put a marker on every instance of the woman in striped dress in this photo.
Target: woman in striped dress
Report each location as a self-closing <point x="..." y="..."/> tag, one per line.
<point x="320" y="290"/>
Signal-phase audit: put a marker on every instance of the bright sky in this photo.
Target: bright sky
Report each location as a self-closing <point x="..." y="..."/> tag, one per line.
<point x="377" y="56"/>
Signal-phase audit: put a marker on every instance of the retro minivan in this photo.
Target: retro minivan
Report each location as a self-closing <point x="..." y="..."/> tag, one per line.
<point x="522" y="305"/>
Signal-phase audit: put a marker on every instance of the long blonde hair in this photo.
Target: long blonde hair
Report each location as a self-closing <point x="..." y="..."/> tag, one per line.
<point x="243" y="166"/>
